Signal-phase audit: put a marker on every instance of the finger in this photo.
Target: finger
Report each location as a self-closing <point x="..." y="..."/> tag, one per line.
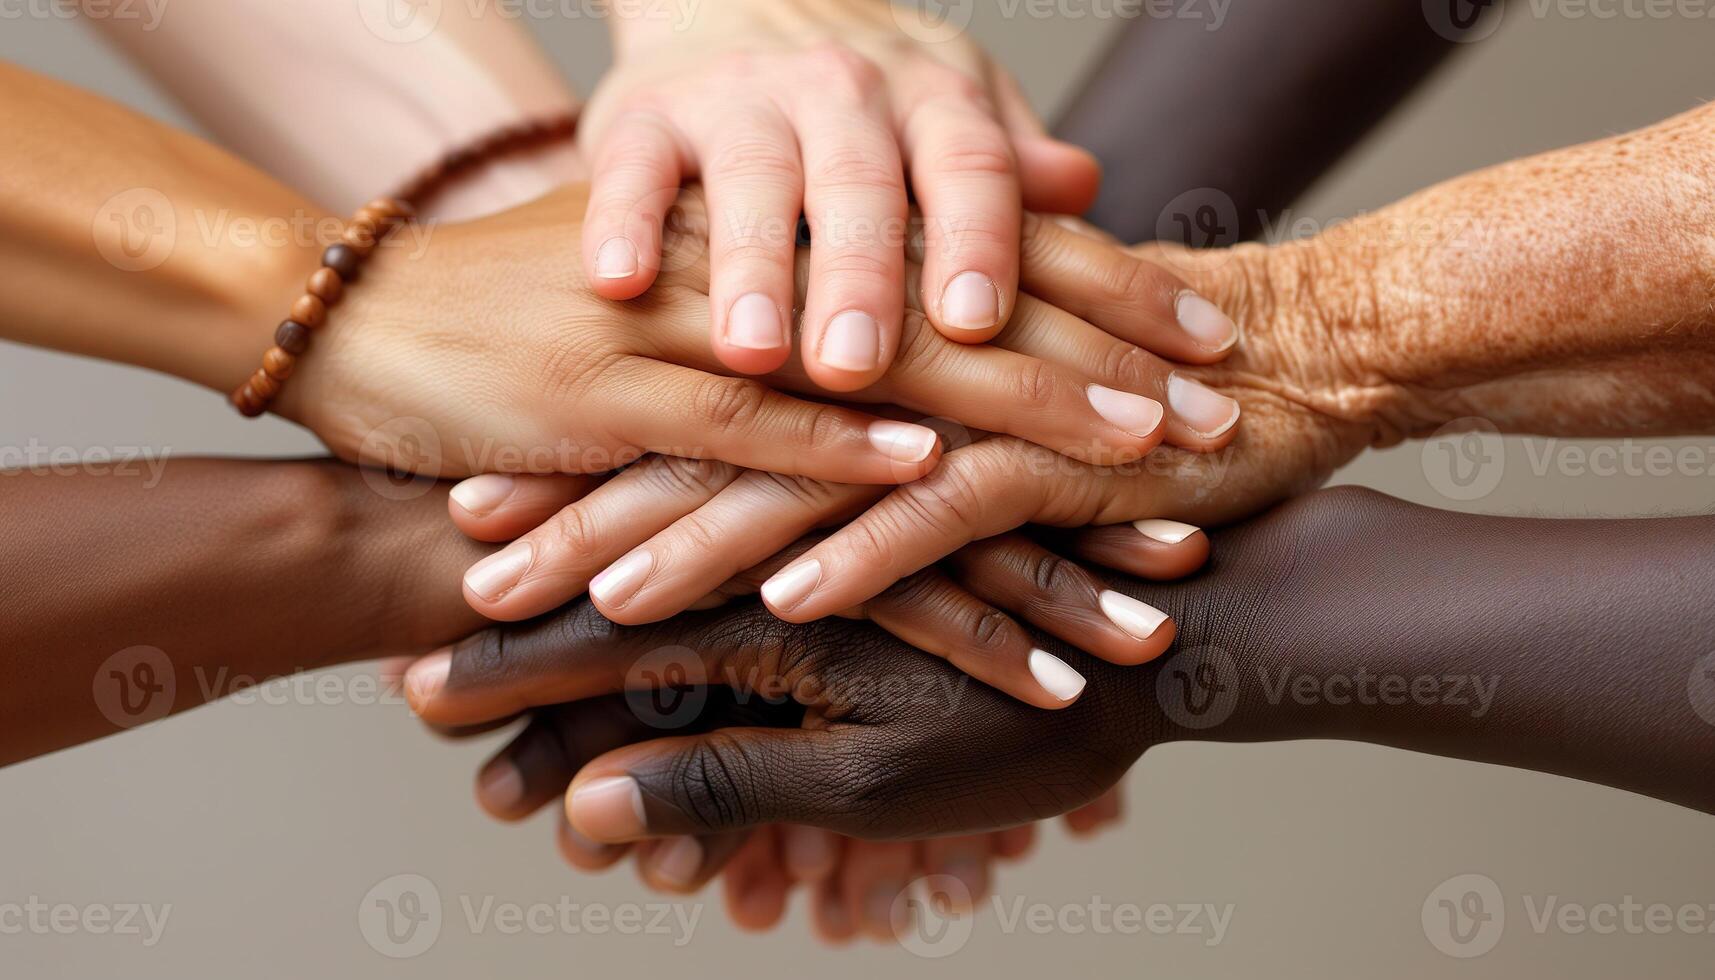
<point x="963" y="859"/>
<point x="746" y="523"/>
<point x="555" y="562"/>
<point x="873" y="881"/>
<point x="582" y="853"/>
<point x="501" y="506"/>
<point x="638" y="167"/>
<point x="965" y="178"/>
<point x="1055" y="595"/>
<point x="755" y="882"/>
<point x="754" y="182"/>
<point x="1092" y="817"/>
<point x="682" y="865"/>
<point x="1155" y="549"/>
<point x="1129" y="297"/>
<point x="1198" y="417"/>
<point x="933" y="614"/>
<point x="830" y="917"/>
<point x="679" y="411"/>
<point x="855" y="203"/>
<point x="537" y="765"/>
<point x="1013" y="843"/>
<point x="1054" y="177"/>
<point x="809" y="854"/>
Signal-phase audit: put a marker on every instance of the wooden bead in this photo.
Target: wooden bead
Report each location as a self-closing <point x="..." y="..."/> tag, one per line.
<point x="326" y="285"/>
<point x="248" y="401"/>
<point x="292" y="337"/>
<point x="263" y="385"/>
<point x="310" y="311"/>
<point x="278" y="364"/>
<point x="344" y="260"/>
<point x="361" y="236"/>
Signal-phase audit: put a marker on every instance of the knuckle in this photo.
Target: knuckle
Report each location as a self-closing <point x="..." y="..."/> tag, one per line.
<point x="701" y="534"/>
<point x="682" y="476"/>
<point x="858" y="267"/>
<point x="1129" y="366"/>
<point x="755" y="159"/>
<point x="1051" y="574"/>
<point x="574" y="534"/>
<point x="976" y="152"/>
<point x="712" y="783"/>
<point x="867" y="166"/>
<point x="1036" y="386"/>
<point x="945" y="500"/>
<point x="729" y="403"/>
<point x="841" y="71"/>
<point x="809" y="493"/>
<point x="988" y="629"/>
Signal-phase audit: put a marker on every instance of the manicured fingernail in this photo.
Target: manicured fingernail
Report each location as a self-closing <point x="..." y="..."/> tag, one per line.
<point x="620" y="581"/>
<point x="1166" y="532"/>
<point x="1205" y="322"/>
<point x="809" y="851"/>
<point x="1139" y="619"/>
<point x="852" y="342"/>
<point x="1133" y="413"/>
<point x="616" y="259"/>
<point x="426" y="678"/>
<point x="791" y="586"/>
<point x="970" y="302"/>
<point x="501" y="785"/>
<point x="480" y="495"/>
<point x="608" y="809"/>
<point x="1055" y="675"/>
<point x="499" y="573"/>
<point x="1208" y="412"/>
<point x="678" y="861"/>
<point x="754" y="323"/>
<point x="902" y="442"/>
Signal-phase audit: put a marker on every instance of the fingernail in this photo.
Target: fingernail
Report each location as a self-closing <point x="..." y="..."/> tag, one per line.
<point x="1205" y="322"/>
<point x="499" y="573"/>
<point x="754" y="323"/>
<point x="1055" y="675"/>
<point x="608" y="809"/>
<point x="620" y="581"/>
<point x="678" y="861"/>
<point x="426" y="677"/>
<point x="852" y="342"/>
<point x="1166" y="532"/>
<point x="902" y="442"/>
<point x="616" y="259"/>
<point x="480" y="495"/>
<point x="1208" y="412"/>
<point x="791" y="586"/>
<point x="809" y="851"/>
<point x="1139" y="619"/>
<point x="1133" y="413"/>
<point x="970" y="302"/>
<point x="501" y="785"/>
<point x="579" y="841"/>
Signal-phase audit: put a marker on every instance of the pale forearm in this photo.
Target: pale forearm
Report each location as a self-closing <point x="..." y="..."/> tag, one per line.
<point x="345" y="104"/>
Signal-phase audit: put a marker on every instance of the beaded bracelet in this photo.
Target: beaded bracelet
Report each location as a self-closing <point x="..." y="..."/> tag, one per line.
<point x="343" y="261"/>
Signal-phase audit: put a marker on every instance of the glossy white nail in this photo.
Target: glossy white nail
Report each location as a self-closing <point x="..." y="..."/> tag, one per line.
<point x="791" y="586"/>
<point x="1139" y="619"/>
<point x="1206" y="411"/>
<point x="901" y="441"/>
<point x="1205" y="322"/>
<point x="1133" y="413"/>
<point x="620" y="581"/>
<point x="1166" y="532"/>
<point x="1055" y="675"/>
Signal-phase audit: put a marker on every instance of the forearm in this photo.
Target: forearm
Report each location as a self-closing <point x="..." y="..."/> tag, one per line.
<point x="1568" y="647"/>
<point x="229" y="569"/>
<point x="1564" y="294"/>
<point x="126" y="240"/>
<point x="344" y="103"/>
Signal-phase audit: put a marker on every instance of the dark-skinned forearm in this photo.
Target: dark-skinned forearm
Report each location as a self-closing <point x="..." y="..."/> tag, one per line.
<point x="229" y="568"/>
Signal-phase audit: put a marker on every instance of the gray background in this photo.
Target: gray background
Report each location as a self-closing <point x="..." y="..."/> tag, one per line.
<point x="265" y="825"/>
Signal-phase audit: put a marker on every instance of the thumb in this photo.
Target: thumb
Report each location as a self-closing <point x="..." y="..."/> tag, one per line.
<point x="724" y="780"/>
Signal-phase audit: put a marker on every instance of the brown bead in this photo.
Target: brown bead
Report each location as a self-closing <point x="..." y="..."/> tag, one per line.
<point x="292" y="337"/>
<point x="248" y="401"/>
<point x="310" y="311"/>
<point x="326" y="285"/>
<point x="344" y="260"/>
<point x="361" y="236"/>
<point x="278" y="364"/>
<point x="263" y="385"/>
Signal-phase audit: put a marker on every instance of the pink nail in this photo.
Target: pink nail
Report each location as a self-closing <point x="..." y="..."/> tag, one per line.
<point x="1205" y="410"/>
<point x="754" y="323"/>
<point x="1205" y="322"/>
<point x="616" y="259"/>
<point x="851" y="342"/>
<point x="501" y="785"/>
<point x="790" y="587"/>
<point x="678" y="861"/>
<point x="970" y="302"/>
<point x="620" y="581"/>
<point x="493" y="577"/>
<point x="1133" y="413"/>
<point x="902" y="442"/>
<point x="608" y="809"/>
<point x="480" y="495"/>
